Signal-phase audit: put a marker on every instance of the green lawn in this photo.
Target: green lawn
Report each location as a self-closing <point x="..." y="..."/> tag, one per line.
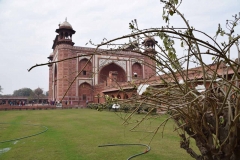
<point x="76" y="134"/>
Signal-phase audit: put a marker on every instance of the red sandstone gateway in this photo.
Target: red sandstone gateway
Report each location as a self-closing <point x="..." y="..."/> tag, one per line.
<point x="98" y="73"/>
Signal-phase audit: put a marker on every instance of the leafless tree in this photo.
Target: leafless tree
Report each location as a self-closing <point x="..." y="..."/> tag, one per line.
<point x="202" y="99"/>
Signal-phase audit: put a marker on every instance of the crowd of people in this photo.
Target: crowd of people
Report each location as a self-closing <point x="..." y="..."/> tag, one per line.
<point x="21" y="102"/>
<point x="25" y="102"/>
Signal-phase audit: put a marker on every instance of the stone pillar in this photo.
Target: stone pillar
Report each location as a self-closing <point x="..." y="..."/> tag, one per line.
<point x="50" y="85"/>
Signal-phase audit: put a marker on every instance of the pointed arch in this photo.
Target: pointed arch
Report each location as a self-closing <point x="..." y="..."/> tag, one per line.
<point x="87" y="71"/>
<point x="104" y="73"/>
<point x="137" y="71"/>
<point x="85" y="91"/>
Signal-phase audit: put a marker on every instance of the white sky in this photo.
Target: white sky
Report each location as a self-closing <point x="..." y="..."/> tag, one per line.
<point x="28" y="29"/>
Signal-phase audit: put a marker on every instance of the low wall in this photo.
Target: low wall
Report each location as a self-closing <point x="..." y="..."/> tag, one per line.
<point x="37" y="107"/>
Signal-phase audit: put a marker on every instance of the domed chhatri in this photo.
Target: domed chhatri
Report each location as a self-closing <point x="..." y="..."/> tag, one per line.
<point x="66" y="25"/>
<point x="65" y="32"/>
<point x="149" y="42"/>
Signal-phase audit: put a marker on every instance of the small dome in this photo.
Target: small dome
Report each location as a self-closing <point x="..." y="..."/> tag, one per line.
<point x="149" y="40"/>
<point x="65" y="24"/>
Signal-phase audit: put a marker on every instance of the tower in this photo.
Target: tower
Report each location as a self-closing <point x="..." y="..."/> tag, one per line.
<point x="65" y="32"/>
<point x="61" y="74"/>
<point x="149" y="60"/>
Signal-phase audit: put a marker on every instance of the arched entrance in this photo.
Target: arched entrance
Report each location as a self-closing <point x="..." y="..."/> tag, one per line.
<point x="104" y="73"/>
<point x="85" y="93"/>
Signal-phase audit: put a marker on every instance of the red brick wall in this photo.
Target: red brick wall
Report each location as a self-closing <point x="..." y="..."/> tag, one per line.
<point x="150" y="65"/>
<point x="68" y="70"/>
<point x="65" y="75"/>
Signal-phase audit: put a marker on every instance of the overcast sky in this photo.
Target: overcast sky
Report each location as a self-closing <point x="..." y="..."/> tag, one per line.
<point x="28" y="29"/>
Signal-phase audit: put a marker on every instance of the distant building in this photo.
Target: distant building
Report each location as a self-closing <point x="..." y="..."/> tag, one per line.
<point x="98" y="72"/>
<point x="16" y="100"/>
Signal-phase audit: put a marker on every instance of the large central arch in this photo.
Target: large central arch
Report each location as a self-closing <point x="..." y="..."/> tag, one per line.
<point x="104" y="73"/>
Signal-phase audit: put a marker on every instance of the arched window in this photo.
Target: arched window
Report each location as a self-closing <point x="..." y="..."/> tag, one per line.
<point x="87" y="71"/>
<point x="61" y="35"/>
<point x="66" y="35"/>
<point x="137" y="70"/>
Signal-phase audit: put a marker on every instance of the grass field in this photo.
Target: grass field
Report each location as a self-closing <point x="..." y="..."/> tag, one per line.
<point x="76" y="134"/>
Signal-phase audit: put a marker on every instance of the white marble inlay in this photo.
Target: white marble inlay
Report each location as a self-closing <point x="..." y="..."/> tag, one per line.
<point x="84" y="80"/>
<point x="104" y="62"/>
<point x="137" y="60"/>
<point x="84" y="57"/>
